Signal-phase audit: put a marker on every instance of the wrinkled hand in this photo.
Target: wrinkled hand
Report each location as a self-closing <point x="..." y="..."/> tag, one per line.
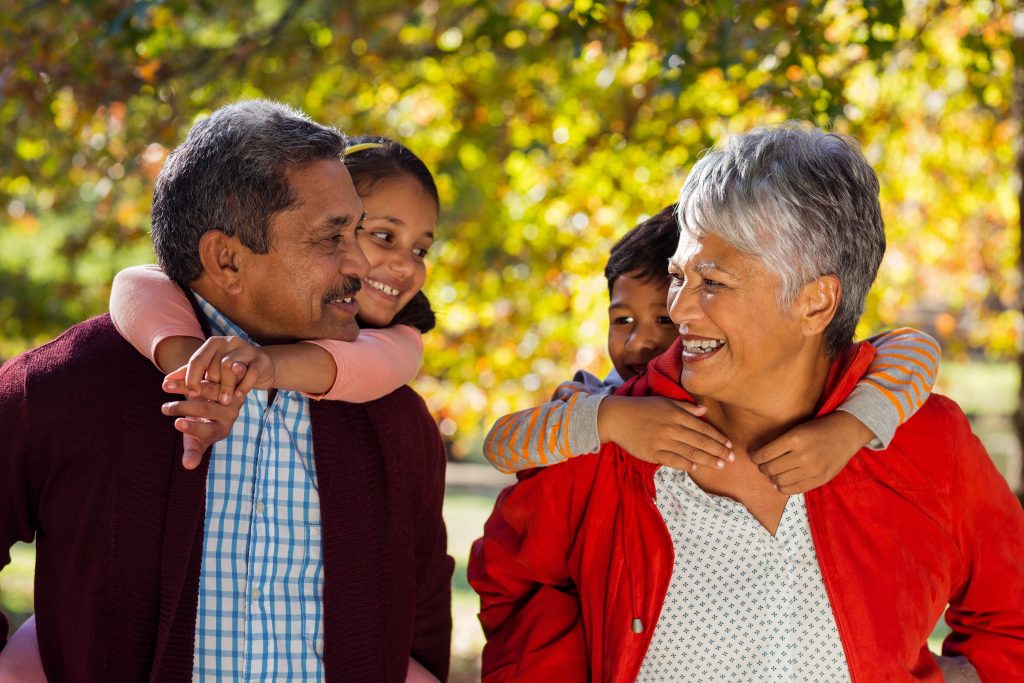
<point x="812" y="453"/>
<point x="233" y="363"/>
<point x="663" y="431"/>
<point x="203" y="420"/>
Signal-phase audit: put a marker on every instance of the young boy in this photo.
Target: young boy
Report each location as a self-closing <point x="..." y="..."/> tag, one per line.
<point x="585" y="413"/>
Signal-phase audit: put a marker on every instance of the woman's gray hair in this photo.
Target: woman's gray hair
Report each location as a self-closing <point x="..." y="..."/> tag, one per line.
<point x="230" y="175"/>
<point x="803" y="202"/>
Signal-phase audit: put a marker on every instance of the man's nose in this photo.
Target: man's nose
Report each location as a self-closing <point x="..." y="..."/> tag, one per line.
<point x="354" y="262"/>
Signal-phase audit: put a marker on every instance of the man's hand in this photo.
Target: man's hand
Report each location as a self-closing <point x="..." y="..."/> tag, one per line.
<point x="233" y="363"/>
<point x="663" y="431"/>
<point x="203" y="420"/>
<point x="812" y="453"/>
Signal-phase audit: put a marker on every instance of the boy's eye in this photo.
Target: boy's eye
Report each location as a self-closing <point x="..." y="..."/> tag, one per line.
<point x="623" y="320"/>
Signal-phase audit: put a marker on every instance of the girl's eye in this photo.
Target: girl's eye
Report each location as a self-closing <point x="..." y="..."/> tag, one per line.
<point x="420" y="253"/>
<point x="665" y="320"/>
<point x="382" y="235"/>
<point x="623" y="320"/>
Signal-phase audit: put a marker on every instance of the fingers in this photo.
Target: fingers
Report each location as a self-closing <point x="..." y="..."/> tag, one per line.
<point x="691" y="421"/>
<point x="193" y="451"/>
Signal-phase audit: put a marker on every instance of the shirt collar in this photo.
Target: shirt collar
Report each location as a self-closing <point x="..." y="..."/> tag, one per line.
<point x="220" y="324"/>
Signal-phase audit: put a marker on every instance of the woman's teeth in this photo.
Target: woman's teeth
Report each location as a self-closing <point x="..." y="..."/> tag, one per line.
<point x="382" y="287"/>
<point x="702" y="345"/>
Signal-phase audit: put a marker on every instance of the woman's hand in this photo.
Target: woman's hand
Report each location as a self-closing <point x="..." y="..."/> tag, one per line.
<point x="663" y="431"/>
<point x="812" y="453"/>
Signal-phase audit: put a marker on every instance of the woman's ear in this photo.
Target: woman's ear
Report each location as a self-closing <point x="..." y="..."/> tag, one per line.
<point x="819" y="301"/>
<point x="221" y="257"/>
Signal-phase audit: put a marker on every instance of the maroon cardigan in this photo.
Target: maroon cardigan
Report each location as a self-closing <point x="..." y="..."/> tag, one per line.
<point x="91" y="469"/>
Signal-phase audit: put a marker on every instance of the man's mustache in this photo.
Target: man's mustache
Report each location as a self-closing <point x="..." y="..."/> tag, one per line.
<point x="351" y="287"/>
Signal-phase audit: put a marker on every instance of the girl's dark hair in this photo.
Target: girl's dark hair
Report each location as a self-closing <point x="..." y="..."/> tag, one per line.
<point x="646" y="249"/>
<point x="376" y="159"/>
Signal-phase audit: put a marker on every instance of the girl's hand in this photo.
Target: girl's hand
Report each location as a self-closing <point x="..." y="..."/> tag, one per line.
<point x="663" y="431"/>
<point x="233" y="363"/>
<point x="203" y="420"/>
<point x="812" y="453"/>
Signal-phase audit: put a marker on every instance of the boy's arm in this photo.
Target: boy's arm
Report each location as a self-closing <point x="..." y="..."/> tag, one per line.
<point x="899" y="380"/>
<point x="372" y="366"/>
<point x="155" y="316"/>
<point x="897" y="383"/>
<point x="548" y="434"/>
<point x="651" y="428"/>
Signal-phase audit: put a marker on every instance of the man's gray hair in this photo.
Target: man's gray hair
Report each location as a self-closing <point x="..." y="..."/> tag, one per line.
<point x="803" y="202"/>
<point x="229" y="175"/>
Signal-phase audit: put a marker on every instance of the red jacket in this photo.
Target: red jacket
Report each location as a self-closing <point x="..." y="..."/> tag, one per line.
<point x="574" y="553"/>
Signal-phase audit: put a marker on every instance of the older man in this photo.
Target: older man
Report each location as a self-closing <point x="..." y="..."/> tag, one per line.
<point x="608" y="568"/>
<point x="311" y="544"/>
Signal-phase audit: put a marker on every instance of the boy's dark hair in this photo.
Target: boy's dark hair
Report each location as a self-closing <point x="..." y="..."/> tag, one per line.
<point x="374" y="159"/>
<point x="646" y="249"/>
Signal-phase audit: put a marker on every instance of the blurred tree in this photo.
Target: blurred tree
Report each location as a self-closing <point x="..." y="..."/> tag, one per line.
<point x="552" y="126"/>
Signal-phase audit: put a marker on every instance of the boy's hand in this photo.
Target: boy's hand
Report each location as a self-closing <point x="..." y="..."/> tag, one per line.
<point x="812" y="453"/>
<point x="663" y="431"/>
<point x="202" y="420"/>
<point x="233" y="363"/>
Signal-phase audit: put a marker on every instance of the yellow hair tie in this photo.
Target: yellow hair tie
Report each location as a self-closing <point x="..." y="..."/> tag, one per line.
<point x="361" y="147"/>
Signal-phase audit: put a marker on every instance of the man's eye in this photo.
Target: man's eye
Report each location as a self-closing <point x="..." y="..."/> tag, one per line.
<point x="676" y="280"/>
<point x="623" y="320"/>
<point x="712" y="284"/>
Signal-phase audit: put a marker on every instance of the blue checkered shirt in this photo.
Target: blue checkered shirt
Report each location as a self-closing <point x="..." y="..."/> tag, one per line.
<point x="260" y="615"/>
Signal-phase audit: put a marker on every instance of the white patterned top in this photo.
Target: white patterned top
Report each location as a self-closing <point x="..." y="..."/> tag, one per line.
<point x="742" y="605"/>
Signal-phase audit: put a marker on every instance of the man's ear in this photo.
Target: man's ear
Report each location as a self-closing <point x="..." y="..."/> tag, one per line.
<point x="819" y="301"/>
<point x="222" y="257"/>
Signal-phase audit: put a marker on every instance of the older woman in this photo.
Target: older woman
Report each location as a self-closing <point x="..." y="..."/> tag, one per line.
<point x="612" y="569"/>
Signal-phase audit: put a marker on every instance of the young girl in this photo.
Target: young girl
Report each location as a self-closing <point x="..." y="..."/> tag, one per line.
<point x="401" y="204"/>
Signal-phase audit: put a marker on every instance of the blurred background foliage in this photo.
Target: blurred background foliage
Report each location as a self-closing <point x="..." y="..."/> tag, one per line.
<point x="552" y="126"/>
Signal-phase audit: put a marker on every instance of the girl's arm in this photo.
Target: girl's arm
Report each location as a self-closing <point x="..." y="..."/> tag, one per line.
<point x="155" y="316"/>
<point x="577" y="422"/>
<point x="897" y="383"/>
<point x="372" y="366"/>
